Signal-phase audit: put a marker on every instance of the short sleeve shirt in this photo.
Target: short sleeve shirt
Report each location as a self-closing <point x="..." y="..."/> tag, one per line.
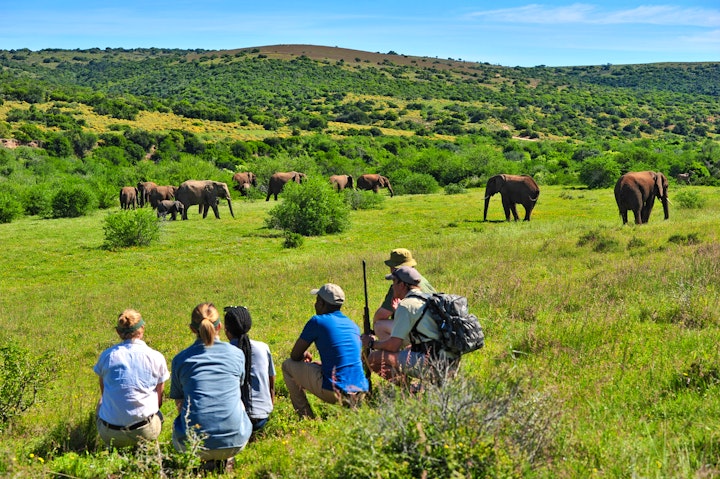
<point x="261" y="370"/>
<point x="337" y="339"/>
<point x="207" y="379"/>
<point x="131" y="372"/>
<point x="408" y="312"/>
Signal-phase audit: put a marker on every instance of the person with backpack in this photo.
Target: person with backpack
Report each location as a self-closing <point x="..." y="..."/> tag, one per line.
<point x="390" y="358"/>
<point x="383" y="317"/>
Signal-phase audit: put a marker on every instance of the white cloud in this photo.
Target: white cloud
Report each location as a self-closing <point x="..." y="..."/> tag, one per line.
<point x="584" y="13"/>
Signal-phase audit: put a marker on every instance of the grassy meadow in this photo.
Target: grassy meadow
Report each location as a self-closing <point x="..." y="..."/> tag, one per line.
<point x="615" y="326"/>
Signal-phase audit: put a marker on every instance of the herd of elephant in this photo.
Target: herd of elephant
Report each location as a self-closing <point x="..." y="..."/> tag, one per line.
<point x="175" y="200"/>
<point x="634" y="191"/>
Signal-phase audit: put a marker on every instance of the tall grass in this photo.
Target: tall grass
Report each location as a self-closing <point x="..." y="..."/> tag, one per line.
<point x="616" y="326"/>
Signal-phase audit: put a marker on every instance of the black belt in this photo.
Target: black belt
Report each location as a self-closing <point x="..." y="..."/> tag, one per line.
<point x="131" y="427"/>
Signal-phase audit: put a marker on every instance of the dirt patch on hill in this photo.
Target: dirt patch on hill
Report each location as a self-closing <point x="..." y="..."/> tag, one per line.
<point x="350" y="56"/>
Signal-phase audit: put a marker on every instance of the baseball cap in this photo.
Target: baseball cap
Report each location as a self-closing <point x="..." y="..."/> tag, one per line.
<point x="406" y="274"/>
<point x="330" y="293"/>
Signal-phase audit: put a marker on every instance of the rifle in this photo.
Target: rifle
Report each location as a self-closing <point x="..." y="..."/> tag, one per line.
<point x="367" y="329"/>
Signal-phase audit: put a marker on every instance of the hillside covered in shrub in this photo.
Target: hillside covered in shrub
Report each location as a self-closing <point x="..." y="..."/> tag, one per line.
<point x="100" y="119"/>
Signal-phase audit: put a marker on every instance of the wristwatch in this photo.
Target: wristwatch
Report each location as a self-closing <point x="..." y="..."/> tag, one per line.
<point x="372" y="343"/>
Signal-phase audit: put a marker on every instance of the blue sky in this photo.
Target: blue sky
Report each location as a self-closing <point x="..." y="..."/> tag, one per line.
<point x="509" y="33"/>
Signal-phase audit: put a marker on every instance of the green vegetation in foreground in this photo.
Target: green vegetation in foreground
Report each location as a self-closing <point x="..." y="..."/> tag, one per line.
<point x="610" y="330"/>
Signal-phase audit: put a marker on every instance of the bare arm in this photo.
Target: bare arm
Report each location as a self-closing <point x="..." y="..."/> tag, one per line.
<point x="300" y="351"/>
<point x="159" y="389"/>
<point x="382" y="314"/>
<point x="178" y="405"/>
<point x="392" y="344"/>
<point x="272" y="388"/>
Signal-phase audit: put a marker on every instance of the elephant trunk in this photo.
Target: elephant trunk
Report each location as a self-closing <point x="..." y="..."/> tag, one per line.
<point x="665" y="207"/>
<point x="230" y="206"/>
<point x="487" y="203"/>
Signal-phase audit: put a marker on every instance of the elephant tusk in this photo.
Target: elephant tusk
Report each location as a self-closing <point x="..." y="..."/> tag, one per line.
<point x="487" y="197"/>
<point x="668" y="200"/>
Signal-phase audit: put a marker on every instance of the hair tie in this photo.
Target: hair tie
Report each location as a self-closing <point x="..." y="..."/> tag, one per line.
<point x="131" y="329"/>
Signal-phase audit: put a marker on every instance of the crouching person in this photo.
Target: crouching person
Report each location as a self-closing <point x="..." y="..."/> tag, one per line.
<point x="390" y="358"/>
<point x="132" y="380"/>
<point x="339" y="376"/>
<point x="206" y="379"/>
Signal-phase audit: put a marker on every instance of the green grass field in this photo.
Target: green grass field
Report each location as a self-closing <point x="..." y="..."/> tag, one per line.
<point x="616" y="325"/>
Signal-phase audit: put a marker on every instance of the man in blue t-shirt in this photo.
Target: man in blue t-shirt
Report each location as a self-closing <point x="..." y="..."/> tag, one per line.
<point x="339" y="377"/>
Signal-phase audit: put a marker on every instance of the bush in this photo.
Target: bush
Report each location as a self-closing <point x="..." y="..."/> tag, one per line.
<point x="37" y="200"/>
<point x="22" y="377"/>
<point x="690" y="199"/>
<point x="599" y="172"/>
<point x="417" y="184"/>
<point x="293" y="240"/>
<point x="72" y="201"/>
<point x="310" y="209"/>
<point x="363" y="200"/>
<point x="131" y="228"/>
<point x="455" y="189"/>
<point x="10" y="208"/>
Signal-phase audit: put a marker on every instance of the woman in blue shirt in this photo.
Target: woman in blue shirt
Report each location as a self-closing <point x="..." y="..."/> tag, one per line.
<point x="205" y="385"/>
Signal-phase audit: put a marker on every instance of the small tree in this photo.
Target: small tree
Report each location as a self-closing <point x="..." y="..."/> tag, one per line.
<point x="310" y="209"/>
<point x="131" y="228"/>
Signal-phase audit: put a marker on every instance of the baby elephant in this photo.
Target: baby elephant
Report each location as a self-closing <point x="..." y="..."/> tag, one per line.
<point x="174" y="208"/>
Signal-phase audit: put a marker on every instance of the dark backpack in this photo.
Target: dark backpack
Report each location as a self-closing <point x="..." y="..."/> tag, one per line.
<point x="460" y="330"/>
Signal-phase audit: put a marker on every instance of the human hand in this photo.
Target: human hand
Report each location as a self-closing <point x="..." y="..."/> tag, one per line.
<point x="307" y="357"/>
<point x="395" y="303"/>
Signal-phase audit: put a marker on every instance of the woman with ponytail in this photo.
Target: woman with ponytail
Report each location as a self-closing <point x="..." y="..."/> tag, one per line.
<point x="258" y="390"/>
<point x="205" y="385"/>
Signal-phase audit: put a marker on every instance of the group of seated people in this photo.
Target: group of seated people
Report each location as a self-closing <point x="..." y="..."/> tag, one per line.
<point x="225" y="391"/>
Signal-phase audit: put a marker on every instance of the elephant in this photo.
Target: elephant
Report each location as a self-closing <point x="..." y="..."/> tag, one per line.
<point x="278" y="180"/>
<point x="128" y="197"/>
<point x="165" y="207"/>
<point x="340" y="182"/>
<point x="374" y="182"/>
<point x="513" y="189"/>
<point x="205" y="194"/>
<point x="161" y="193"/>
<point x="145" y="188"/>
<point x="243" y="182"/>
<point x="636" y="192"/>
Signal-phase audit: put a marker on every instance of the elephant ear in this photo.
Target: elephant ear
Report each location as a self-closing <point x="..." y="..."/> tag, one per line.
<point x="659" y="186"/>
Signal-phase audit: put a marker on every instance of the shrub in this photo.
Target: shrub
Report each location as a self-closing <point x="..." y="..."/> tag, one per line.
<point x="293" y="240"/>
<point x="73" y="200"/>
<point x="455" y="189"/>
<point x="22" y="377"/>
<point x="690" y="199"/>
<point x="310" y="209"/>
<point x="363" y="200"/>
<point x="37" y="200"/>
<point x="417" y="184"/>
<point x="457" y="430"/>
<point x="131" y="228"/>
<point x="10" y="208"/>
<point x="599" y="172"/>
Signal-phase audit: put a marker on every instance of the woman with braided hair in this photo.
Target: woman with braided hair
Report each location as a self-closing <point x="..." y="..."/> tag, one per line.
<point x="258" y="389"/>
<point x="205" y="386"/>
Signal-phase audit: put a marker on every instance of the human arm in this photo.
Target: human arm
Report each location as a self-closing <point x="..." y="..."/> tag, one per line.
<point x="391" y="344"/>
<point x="178" y="405"/>
<point x="300" y="351"/>
<point x="271" y="382"/>
<point x="159" y="389"/>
